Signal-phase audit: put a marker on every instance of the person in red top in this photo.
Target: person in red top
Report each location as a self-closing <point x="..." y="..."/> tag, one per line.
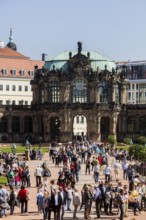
<point x="100" y="159"/>
<point x="72" y="168"/>
<point x="23" y="198"/>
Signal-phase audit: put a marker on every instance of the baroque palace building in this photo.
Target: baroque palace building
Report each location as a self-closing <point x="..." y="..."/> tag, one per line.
<point x="76" y="93"/>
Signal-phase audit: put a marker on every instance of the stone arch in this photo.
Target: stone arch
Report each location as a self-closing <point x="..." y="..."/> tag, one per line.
<point x="55" y="128"/>
<point x="15" y="124"/>
<point x="80" y="125"/>
<point x="28" y="124"/>
<point x="104" y="127"/>
<point x="131" y="124"/>
<point x="4" y="124"/>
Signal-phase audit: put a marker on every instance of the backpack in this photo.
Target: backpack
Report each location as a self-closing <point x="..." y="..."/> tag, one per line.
<point x="47" y="173"/>
<point x="118" y="200"/>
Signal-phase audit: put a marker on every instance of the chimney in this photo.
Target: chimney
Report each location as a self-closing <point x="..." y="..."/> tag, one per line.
<point x="43" y="56"/>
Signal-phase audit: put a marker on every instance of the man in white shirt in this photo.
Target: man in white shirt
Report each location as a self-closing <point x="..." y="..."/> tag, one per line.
<point x="38" y="174"/>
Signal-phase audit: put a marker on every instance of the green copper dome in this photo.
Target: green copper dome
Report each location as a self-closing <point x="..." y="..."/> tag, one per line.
<point x="97" y="61"/>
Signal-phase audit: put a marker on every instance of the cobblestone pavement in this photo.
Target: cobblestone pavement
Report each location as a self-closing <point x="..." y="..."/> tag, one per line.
<point x="32" y="208"/>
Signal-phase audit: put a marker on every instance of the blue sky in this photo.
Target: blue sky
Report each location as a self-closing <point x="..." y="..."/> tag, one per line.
<point x="116" y="28"/>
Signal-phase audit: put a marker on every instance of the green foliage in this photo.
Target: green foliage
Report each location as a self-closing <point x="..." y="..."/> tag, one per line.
<point x="138" y="151"/>
<point x="111" y="139"/>
<point x="127" y="140"/>
<point x="22" y="149"/>
<point x="141" y="140"/>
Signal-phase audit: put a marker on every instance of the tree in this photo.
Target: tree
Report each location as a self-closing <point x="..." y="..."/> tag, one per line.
<point x="141" y="140"/>
<point x="111" y="140"/>
<point x="127" y="140"/>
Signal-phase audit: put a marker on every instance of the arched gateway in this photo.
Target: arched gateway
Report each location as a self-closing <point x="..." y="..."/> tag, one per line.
<point x="73" y="87"/>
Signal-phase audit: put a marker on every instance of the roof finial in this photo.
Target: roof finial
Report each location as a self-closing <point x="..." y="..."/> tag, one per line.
<point x="11" y="37"/>
<point x="79" y="47"/>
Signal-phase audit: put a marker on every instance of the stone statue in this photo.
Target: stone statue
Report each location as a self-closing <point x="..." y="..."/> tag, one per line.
<point x="79" y="47"/>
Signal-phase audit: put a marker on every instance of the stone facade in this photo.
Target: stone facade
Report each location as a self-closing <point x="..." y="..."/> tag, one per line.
<point x="59" y="96"/>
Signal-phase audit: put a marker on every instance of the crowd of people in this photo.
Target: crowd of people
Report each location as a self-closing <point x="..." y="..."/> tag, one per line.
<point x="107" y="194"/>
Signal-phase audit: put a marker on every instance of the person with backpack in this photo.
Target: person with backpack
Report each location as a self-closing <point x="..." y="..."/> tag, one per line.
<point x="13" y="200"/>
<point x="88" y="165"/>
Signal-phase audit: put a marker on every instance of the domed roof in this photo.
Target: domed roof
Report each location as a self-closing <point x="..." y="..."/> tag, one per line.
<point x="97" y="61"/>
<point x="11" y="44"/>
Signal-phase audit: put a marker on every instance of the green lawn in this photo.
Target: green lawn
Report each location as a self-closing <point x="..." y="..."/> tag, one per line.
<point x="21" y="149"/>
<point x="126" y="147"/>
<point x="3" y="180"/>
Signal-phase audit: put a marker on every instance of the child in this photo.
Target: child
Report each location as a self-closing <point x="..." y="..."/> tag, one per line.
<point x="17" y="180"/>
<point x="40" y="202"/>
<point x="11" y="182"/>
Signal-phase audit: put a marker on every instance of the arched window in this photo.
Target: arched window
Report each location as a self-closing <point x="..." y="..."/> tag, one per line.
<point x="54" y="92"/>
<point x="28" y="124"/>
<point x="3" y="124"/>
<point x="104" y="92"/>
<point x="131" y="124"/>
<point x="142" y="124"/>
<point x="79" y="91"/>
<point x="15" y="124"/>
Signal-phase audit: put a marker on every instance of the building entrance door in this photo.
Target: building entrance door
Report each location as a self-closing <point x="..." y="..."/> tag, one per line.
<point x="80" y="127"/>
<point x="104" y="128"/>
<point x="55" y="129"/>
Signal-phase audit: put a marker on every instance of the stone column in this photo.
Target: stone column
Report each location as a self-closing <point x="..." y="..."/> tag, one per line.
<point x="36" y="94"/>
<point x="113" y="126"/>
<point x="46" y="122"/>
<point x="97" y="92"/>
<point x="10" y="124"/>
<point x="46" y="93"/>
<point x="98" y="127"/>
<point x="113" y="92"/>
<point x="123" y="93"/>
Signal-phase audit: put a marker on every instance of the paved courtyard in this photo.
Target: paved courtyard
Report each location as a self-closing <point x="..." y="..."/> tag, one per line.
<point x="32" y="208"/>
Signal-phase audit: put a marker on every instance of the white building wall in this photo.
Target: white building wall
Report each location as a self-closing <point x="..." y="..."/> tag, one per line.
<point x="17" y="96"/>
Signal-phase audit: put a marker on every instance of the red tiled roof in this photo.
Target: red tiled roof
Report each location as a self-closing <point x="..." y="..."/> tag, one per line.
<point x="7" y="52"/>
<point x="10" y="59"/>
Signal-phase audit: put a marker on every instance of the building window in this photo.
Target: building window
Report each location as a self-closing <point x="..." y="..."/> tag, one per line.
<point x="22" y="72"/>
<point x="31" y="73"/>
<point x="7" y="87"/>
<point x="4" y="72"/>
<point x="7" y="102"/>
<point x="129" y="95"/>
<point x="79" y="91"/>
<point x="54" y="93"/>
<point x="133" y="86"/>
<point x="104" y="92"/>
<point x="137" y="86"/>
<point x="26" y="102"/>
<point x="13" y="102"/>
<point x="26" y="88"/>
<point x="20" y="88"/>
<point x="1" y="102"/>
<point x="142" y="124"/>
<point x="82" y="119"/>
<point x="1" y="87"/>
<point x="13" y="72"/>
<point x="13" y="88"/>
<point x="131" y="124"/>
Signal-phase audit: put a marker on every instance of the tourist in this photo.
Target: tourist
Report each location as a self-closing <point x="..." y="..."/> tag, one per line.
<point x="4" y="206"/>
<point x="38" y="175"/>
<point x="23" y="197"/>
<point x="88" y="200"/>
<point x="39" y="198"/>
<point x="69" y="196"/>
<point x="76" y="203"/>
<point x="107" y="173"/>
<point x="13" y="200"/>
